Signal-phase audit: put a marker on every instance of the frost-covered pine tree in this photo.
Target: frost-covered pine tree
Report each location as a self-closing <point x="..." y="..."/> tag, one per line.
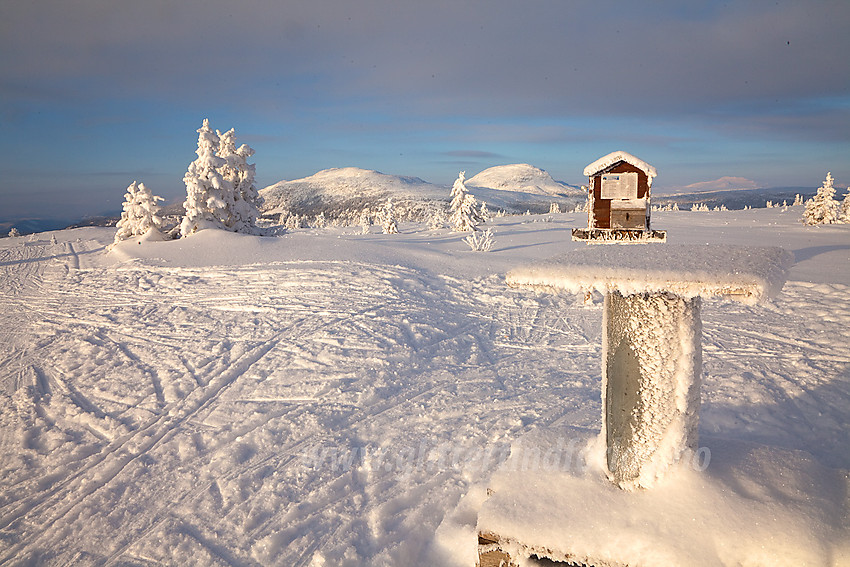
<point x="208" y="194"/>
<point x="484" y="212"/>
<point x="463" y="216"/>
<point x="822" y="208"/>
<point x="554" y="209"/>
<point x="437" y="219"/>
<point x="844" y="209"/>
<point x="14" y="233"/>
<point x="240" y="173"/>
<point x="365" y="221"/>
<point x="140" y="214"/>
<point x="388" y="224"/>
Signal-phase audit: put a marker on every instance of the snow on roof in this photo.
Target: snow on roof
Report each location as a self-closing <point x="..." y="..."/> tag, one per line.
<point x="742" y="273"/>
<point x="612" y="158"/>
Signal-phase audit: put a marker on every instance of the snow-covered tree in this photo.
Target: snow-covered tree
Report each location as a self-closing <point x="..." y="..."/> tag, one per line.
<point x="14" y="232"/>
<point x="365" y="221"/>
<point x="244" y="201"/>
<point x="388" y="225"/>
<point x="437" y="219"/>
<point x="844" y="209"/>
<point x="208" y="194"/>
<point x="554" y="209"/>
<point x="463" y="217"/>
<point x="798" y="200"/>
<point x="140" y="214"/>
<point x="822" y="208"/>
<point x="484" y="212"/>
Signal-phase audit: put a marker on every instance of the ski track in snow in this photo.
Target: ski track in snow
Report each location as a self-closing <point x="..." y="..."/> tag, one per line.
<point x="298" y="411"/>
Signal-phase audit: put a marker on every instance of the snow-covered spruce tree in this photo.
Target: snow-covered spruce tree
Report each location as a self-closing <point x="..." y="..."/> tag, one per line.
<point x="14" y="233"/>
<point x="243" y="201"/>
<point x="437" y="218"/>
<point x="844" y="209"/>
<point x="463" y="214"/>
<point x="822" y="208"/>
<point x="484" y="213"/>
<point x="208" y="194"/>
<point x="388" y="224"/>
<point x="365" y="221"/>
<point x="320" y="220"/>
<point x="140" y="214"/>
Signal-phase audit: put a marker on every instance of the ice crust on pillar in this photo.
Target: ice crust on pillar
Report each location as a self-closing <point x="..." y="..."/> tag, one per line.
<point x="651" y="367"/>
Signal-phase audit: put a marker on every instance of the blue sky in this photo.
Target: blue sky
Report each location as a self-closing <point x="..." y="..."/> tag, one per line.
<point x="95" y="94"/>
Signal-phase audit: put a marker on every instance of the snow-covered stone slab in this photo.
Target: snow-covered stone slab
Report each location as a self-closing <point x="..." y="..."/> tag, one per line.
<point x="743" y="273"/>
<point x="733" y="503"/>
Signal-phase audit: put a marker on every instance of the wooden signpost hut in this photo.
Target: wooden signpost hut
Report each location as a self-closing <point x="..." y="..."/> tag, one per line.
<point x="618" y="201"/>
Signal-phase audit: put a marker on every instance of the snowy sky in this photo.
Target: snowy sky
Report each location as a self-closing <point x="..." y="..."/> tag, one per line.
<point x="98" y="93"/>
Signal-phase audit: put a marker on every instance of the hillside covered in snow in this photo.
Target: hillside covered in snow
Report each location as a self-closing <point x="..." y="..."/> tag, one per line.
<point x="514" y="188"/>
<point x="326" y="397"/>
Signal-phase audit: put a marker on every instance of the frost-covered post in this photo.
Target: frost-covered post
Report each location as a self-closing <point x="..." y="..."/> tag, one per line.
<point x="651" y="372"/>
<point x="651" y="339"/>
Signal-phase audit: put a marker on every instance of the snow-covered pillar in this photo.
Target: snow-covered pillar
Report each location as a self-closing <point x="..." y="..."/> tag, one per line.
<point x="651" y="366"/>
<point x="652" y="358"/>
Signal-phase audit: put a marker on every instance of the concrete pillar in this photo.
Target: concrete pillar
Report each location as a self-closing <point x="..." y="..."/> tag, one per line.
<point x="651" y="367"/>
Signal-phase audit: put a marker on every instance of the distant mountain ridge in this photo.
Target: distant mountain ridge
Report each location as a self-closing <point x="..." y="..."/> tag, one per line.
<point x="516" y="188"/>
<point x="736" y="198"/>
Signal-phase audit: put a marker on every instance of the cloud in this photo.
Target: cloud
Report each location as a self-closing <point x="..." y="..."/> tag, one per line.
<point x="435" y="58"/>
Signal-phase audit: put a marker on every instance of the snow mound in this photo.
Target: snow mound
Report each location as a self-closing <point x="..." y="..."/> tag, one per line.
<point x="350" y="187"/>
<point x="736" y="503"/>
<point x="522" y="178"/>
<point x="746" y="274"/>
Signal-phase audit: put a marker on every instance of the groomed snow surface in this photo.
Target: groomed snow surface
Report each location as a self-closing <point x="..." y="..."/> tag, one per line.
<point x="331" y="398"/>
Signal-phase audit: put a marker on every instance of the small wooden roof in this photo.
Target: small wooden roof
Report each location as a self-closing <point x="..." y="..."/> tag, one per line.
<point x="613" y="158"/>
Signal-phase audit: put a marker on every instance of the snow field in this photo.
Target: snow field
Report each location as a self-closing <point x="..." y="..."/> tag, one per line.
<point x="328" y="398"/>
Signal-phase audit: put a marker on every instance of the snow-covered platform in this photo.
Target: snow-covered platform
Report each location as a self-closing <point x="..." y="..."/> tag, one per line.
<point x="734" y="503"/>
<point x="742" y="273"/>
<point x="651" y="375"/>
<point x="618" y="235"/>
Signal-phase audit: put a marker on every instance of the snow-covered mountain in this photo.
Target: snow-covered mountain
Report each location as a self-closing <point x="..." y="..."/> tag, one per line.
<point x="522" y="178"/>
<point x="514" y="188"/>
<point x="345" y="188"/>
